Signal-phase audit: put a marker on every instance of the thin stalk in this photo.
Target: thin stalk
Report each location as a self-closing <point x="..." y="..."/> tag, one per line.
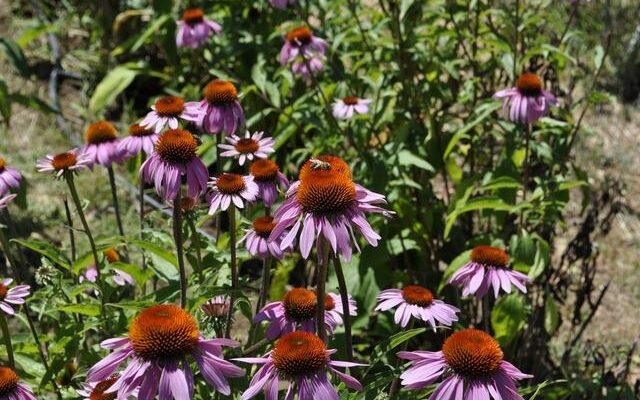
<point x="344" y="297"/>
<point x="177" y="237"/>
<point x="525" y="168"/>
<point x="194" y="233"/>
<point x="141" y="216"/>
<point x="323" y="252"/>
<point x="219" y="138"/>
<point x="264" y="289"/>
<point x="72" y="236"/>
<point x="114" y="195"/>
<point x="7" y="339"/>
<point x="234" y="268"/>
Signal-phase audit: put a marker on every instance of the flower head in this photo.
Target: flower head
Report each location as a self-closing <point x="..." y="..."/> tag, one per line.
<point x="9" y="177"/>
<point x="139" y="139"/>
<point x="4" y="201"/>
<point x="71" y="161"/>
<point x="120" y="277"/>
<point x="175" y="156"/>
<point x="527" y="101"/>
<point x="258" y="242"/>
<point x="221" y="108"/>
<point x="248" y="147"/>
<point x="326" y="203"/>
<point x="302" y="359"/>
<point x="101" y="144"/>
<point x="10" y="297"/>
<point x="168" y="110"/>
<point x="231" y="188"/>
<point x="417" y="302"/>
<point x="297" y="311"/>
<point x="473" y="364"/>
<point x="268" y="177"/>
<point x="489" y="266"/>
<point x="11" y="387"/>
<point x="303" y="51"/>
<point x="345" y="108"/>
<point x="161" y="340"/>
<point x="195" y="29"/>
<point x="216" y="307"/>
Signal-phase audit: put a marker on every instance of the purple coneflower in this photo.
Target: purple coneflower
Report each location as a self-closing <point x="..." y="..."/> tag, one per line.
<point x="101" y="144"/>
<point x="248" y="147"/>
<point x="297" y="311"/>
<point x="268" y="177"/>
<point x="231" y="188"/>
<point x="325" y="202"/>
<point x="345" y="108"/>
<point x="12" y="297"/>
<point x="4" y="201"/>
<point x="489" y="266"/>
<point x="195" y="29"/>
<point x="9" y="177"/>
<point x="257" y="239"/>
<point x="302" y="359"/>
<point x="11" y="388"/>
<point x="527" y="101"/>
<point x="167" y="111"/>
<point x="222" y="110"/>
<point x="160" y="340"/>
<point x="139" y="139"/>
<point x="282" y="4"/>
<point x="473" y="364"/>
<point x="175" y="156"/>
<point x="71" y="161"/>
<point x="303" y="51"/>
<point x="417" y="302"/>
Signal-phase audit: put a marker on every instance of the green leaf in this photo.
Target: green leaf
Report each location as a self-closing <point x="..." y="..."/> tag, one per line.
<point x="462" y="133"/>
<point x="5" y="102"/>
<point x="478" y="203"/>
<point x="164" y="262"/>
<point x="151" y="29"/>
<point x="33" y="102"/>
<point x="114" y="83"/>
<point x="16" y="56"/>
<point x="407" y="158"/>
<point x="46" y="249"/>
<point x="508" y="318"/>
<point x="401" y="337"/>
<point x="551" y="315"/>
<point x="92" y="310"/>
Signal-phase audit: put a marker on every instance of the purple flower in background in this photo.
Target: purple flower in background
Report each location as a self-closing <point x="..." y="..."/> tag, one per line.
<point x="10" y="297"/>
<point x="282" y="4"/>
<point x="73" y="161"/>
<point x="175" y="156"/>
<point x="257" y="239"/>
<point x="346" y="107"/>
<point x="489" y="266"/>
<point x="417" y="302"/>
<point x="268" y="177"/>
<point x="527" y="101"/>
<point x="231" y="189"/>
<point x="326" y="203"/>
<point x="473" y="366"/>
<point x="12" y="388"/>
<point x="9" y="178"/>
<point x="222" y="110"/>
<point x="167" y="111"/>
<point x="101" y="144"/>
<point x="248" y="147"/>
<point x="161" y="340"/>
<point x="4" y="201"/>
<point x="195" y="29"/>
<point x="139" y="139"/>
<point x="302" y="48"/>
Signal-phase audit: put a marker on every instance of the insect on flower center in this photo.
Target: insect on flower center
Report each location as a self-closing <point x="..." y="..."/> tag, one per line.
<point x="100" y="132"/>
<point x="263" y="226"/>
<point x="300" y="304"/>
<point x="299" y="354"/>
<point x="472" y="353"/>
<point x="350" y="100"/>
<point x="229" y="183"/>
<point x="98" y="392"/>
<point x="417" y="295"/>
<point x="111" y="255"/>
<point x="193" y="16"/>
<point x="3" y="291"/>
<point x="64" y="161"/>
<point x="529" y="84"/>
<point x="264" y="170"/>
<point x="220" y="92"/>
<point x="170" y="106"/>
<point x="177" y="146"/>
<point x="163" y="332"/>
<point x="138" y="131"/>
<point x="300" y="36"/>
<point x="490" y="256"/>
<point x="8" y="381"/>
<point x="246" y="145"/>
<point x="325" y="186"/>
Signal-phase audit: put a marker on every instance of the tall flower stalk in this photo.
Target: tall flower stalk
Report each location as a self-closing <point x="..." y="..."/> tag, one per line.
<point x="234" y="267"/>
<point x="346" y="316"/>
<point x="114" y="196"/>
<point x="177" y="236"/>
<point x="321" y="280"/>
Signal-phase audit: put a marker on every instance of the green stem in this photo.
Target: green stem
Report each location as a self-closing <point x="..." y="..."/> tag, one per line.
<point x="141" y="224"/>
<point x="7" y="339"/>
<point x="344" y="297"/>
<point x="525" y="168"/>
<point x="177" y="236"/>
<point x="114" y="195"/>
<point x="264" y="289"/>
<point x="234" y="268"/>
<point x="323" y="252"/>
<point x="196" y="242"/>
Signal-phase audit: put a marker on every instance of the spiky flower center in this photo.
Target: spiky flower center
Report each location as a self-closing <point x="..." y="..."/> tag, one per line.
<point x="100" y="132"/>
<point x="325" y="186"/>
<point x="350" y="100"/>
<point x="229" y="183"/>
<point x="246" y="146"/>
<point x="177" y="146"/>
<point x="300" y="36"/>
<point x="163" y="332"/>
<point x="490" y="256"/>
<point x="529" y="84"/>
<point x="193" y="16"/>
<point x="300" y="304"/>
<point x="139" y="131"/>
<point x="263" y="226"/>
<point x="220" y="92"/>
<point x="329" y="303"/>
<point x="472" y="353"/>
<point x="264" y="170"/>
<point x="299" y="354"/>
<point x="98" y="392"/>
<point x="169" y="106"/>
<point x="2" y="163"/>
<point x="64" y="161"/>
<point x="3" y="291"/>
<point x="111" y="255"/>
<point x="417" y="295"/>
<point x="8" y="381"/>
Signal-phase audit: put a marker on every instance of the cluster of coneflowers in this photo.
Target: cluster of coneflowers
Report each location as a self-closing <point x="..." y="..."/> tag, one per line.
<point x="323" y="211"/>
